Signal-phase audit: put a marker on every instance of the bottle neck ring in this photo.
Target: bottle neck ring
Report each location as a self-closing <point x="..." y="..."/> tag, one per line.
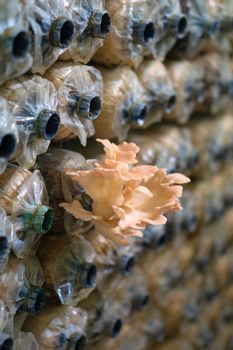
<point x="39" y="220"/>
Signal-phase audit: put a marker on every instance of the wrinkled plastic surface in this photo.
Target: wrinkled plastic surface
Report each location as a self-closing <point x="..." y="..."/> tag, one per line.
<point x="208" y="202"/>
<point x="27" y="97"/>
<point x="113" y="305"/>
<point x="150" y="324"/>
<point x="175" y="344"/>
<point x="17" y="279"/>
<point x="204" y="28"/>
<point x="41" y="15"/>
<point x="168" y="273"/>
<point x="224" y="181"/>
<point x="154" y="236"/>
<point x="160" y="93"/>
<point x="7" y="125"/>
<point x="129" y="338"/>
<point x="218" y="77"/>
<point x="138" y="289"/>
<point x="73" y="80"/>
<point x="219" y="14"/>
<point x="55" y="327"/>
<point x="184" y="223"/>
<point x="61" y="261"/>
<point x="187" y="78"/>
<point x="132" y="340"/>
<point x="222" y="242"/>
<point x="72" y="190"/>
<point x="61" y="187"/>
<point x="84" y="47"/>
<point x="6" y="236"/>
<point x="12" y="22"/>
<point x="103" y="249"/>
<point x="6" y="319"/>
<point x="126" y="256"/>
<point x="167" y="147"/>
<point x="167" y="39"/>
<point x="121" y="46"/>
<point x="198" y="23"/>
<point x="26" y="340"/>
<point x="21" y="192"/>
<point x="212" y="138"/>
<point x="122" y="93"/>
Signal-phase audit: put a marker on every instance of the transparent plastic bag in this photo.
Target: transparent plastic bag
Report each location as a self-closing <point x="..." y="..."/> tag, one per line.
<point x="224" y="182"/>
<point x="224" y="339"/>
<point x="105" y="256"/>
<point x="225" y="152"/>
<point x="109" y="309"/>
<point x="126" y="256"/>
<point x="222" y="270"/>
<point x="203" y="27"/>
<point x="229" y="7"/>
<point x="138" y="290"/>
<point x="204" y="250"/>
<point x="21" y="286"/>
<point x="94" y="24"/>
<point x="185" y="304"/>
<point x="6" y="342"/>
<point x="132" y="34"/>
<point x="227" y="309"/>
<point x="129" y="338"/>
<point x="8" y="135"/>
<point x="69" y="268"/>
<point x="59" y="327"/>
<point x="173" y="26"/>
<point x="222" y="233"/>
<point x="194" y="303"/>
<point x="111" y="257"/>
<point x="26" y="340"/>
<point x="160" y="93"/>
<point x="53" y="30"/>
<point x="200" y="335"/>
<point x="53" y="165"/>
<point x="124" y="103"/>
<point x="24" y="198"/>
<point x="149" y="323"/>
<point x="188" y="79"/>
<point x="213" y="312"/>
<point x="154" y="237"/>
<point x="154" y="152"/>
<point x="212" y="138"/>
<point x="208" y="201"/>
<point x="14" y="40"/>
<point x="130" y="293"/>
<point x="178" y="343"/>
<point x="217" y="75"/>
<point x="167" y="147"/>
<point x="171" y="311"/>
<point x="32" y="101"/>
<point x="162" y="272"/>
<point x="183" y="224"/>
<point x="80" y="90"/>
<point x="6" y="327"/>
<point x="205" y="138"/>
<point x="6" y="236"/>
<point x="219" y="27"/>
